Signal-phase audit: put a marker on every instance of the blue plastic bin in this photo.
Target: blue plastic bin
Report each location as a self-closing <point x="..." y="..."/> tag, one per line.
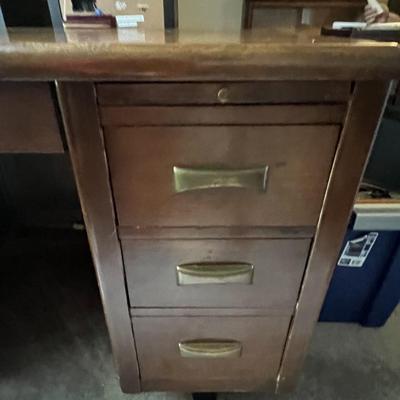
<point x="369" y="294"/>
<point x="366" y="294"/>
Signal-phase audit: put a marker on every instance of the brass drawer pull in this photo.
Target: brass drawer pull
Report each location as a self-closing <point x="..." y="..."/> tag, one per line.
<point x="215" y="273"/>
<point x="187" y="179"/>
<point x="210" y="348"/>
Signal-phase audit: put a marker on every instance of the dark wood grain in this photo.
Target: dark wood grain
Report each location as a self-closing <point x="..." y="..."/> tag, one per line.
<point x="359" y="130"/>
<point x="142" y="159"/>
<point x="234" y="93"/>
<point x="278" y="270"/>
<point x="212" y="232"/>
<point x="28" y="122"/>
<point x="162" y="367"/>
<point x="174" y="78"/>
<point x="204" y="312"/>
<point x="86" y="146"/>
<point x="224" y="115"/>
<point x="260" y="55"/>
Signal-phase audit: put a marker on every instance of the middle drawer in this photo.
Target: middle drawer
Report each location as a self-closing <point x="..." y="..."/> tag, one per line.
<point x="215" y="273"/>
<point x="220" y="176"/>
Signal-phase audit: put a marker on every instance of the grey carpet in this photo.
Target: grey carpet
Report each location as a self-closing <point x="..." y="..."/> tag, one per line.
<point x="54" y="344"/>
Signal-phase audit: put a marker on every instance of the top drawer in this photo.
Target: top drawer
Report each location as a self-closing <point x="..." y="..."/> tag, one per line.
<point x="220" y="176"/>
<point x="223" y="93"/>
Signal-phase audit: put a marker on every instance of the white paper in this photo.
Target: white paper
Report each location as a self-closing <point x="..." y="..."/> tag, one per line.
<point x="384" y="26"/>
<point x="348" y="25"/>
<point x="129" y="21"/>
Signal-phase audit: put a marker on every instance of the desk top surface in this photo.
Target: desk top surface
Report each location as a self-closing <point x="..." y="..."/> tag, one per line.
<point x="130" y="54"/>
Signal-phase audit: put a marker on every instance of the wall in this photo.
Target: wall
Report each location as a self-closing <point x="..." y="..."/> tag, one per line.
<point x="210" y="15"/>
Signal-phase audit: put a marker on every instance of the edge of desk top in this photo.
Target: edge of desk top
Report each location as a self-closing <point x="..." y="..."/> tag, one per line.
<point x="96" y="54"/>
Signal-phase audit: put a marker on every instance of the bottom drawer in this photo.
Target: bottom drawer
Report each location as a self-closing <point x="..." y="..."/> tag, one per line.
<point x="209" y="353"/>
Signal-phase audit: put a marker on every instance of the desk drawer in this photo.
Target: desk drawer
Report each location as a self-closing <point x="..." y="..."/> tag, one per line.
<point x="220" y="176"/>
<point x="28" y="119"/>
<point x="222" y="93"/>
<point x="215" y="273"/>
<point x="226" y="115"/>
<point x="209" y="353"/>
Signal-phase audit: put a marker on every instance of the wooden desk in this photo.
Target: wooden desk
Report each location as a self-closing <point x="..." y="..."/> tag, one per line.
<point x="216" y="177"/>
<point x="28" y="119"/>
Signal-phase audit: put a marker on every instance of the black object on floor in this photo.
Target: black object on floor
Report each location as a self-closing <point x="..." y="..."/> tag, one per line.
<point x="204" y="396"/>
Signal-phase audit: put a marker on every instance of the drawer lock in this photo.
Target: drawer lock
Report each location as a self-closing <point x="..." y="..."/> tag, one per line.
<point x="223" y="95"/>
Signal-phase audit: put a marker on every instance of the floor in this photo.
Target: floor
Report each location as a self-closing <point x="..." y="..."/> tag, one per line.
<point x="54" y="344"/>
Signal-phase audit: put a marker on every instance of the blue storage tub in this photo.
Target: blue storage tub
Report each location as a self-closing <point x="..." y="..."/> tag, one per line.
<point x="366" y="294"/>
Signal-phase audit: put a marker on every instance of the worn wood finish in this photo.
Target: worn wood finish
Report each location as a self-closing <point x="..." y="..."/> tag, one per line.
<point x="233" y="232"/>
<point x="362" y="120"/>
<point x="86" y="146"/>
<point x="262" y="327"/>
<point x="224" y="115"/>
<point x="97" y="54"/>
<point x="253" y="80"/>
<point x="28" y="121"/>
<point x="278" y="269"/>
<point x="204" y="312"/>
<point x="162" y="367"/>
<point x="142" y="159"/>
<point x="232" y="93"/>
<point x="261" y="55"/>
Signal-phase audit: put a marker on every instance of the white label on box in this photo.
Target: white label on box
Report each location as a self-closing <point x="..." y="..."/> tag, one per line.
<point x="356" y="251"/>
<point x="129" y="21"/>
